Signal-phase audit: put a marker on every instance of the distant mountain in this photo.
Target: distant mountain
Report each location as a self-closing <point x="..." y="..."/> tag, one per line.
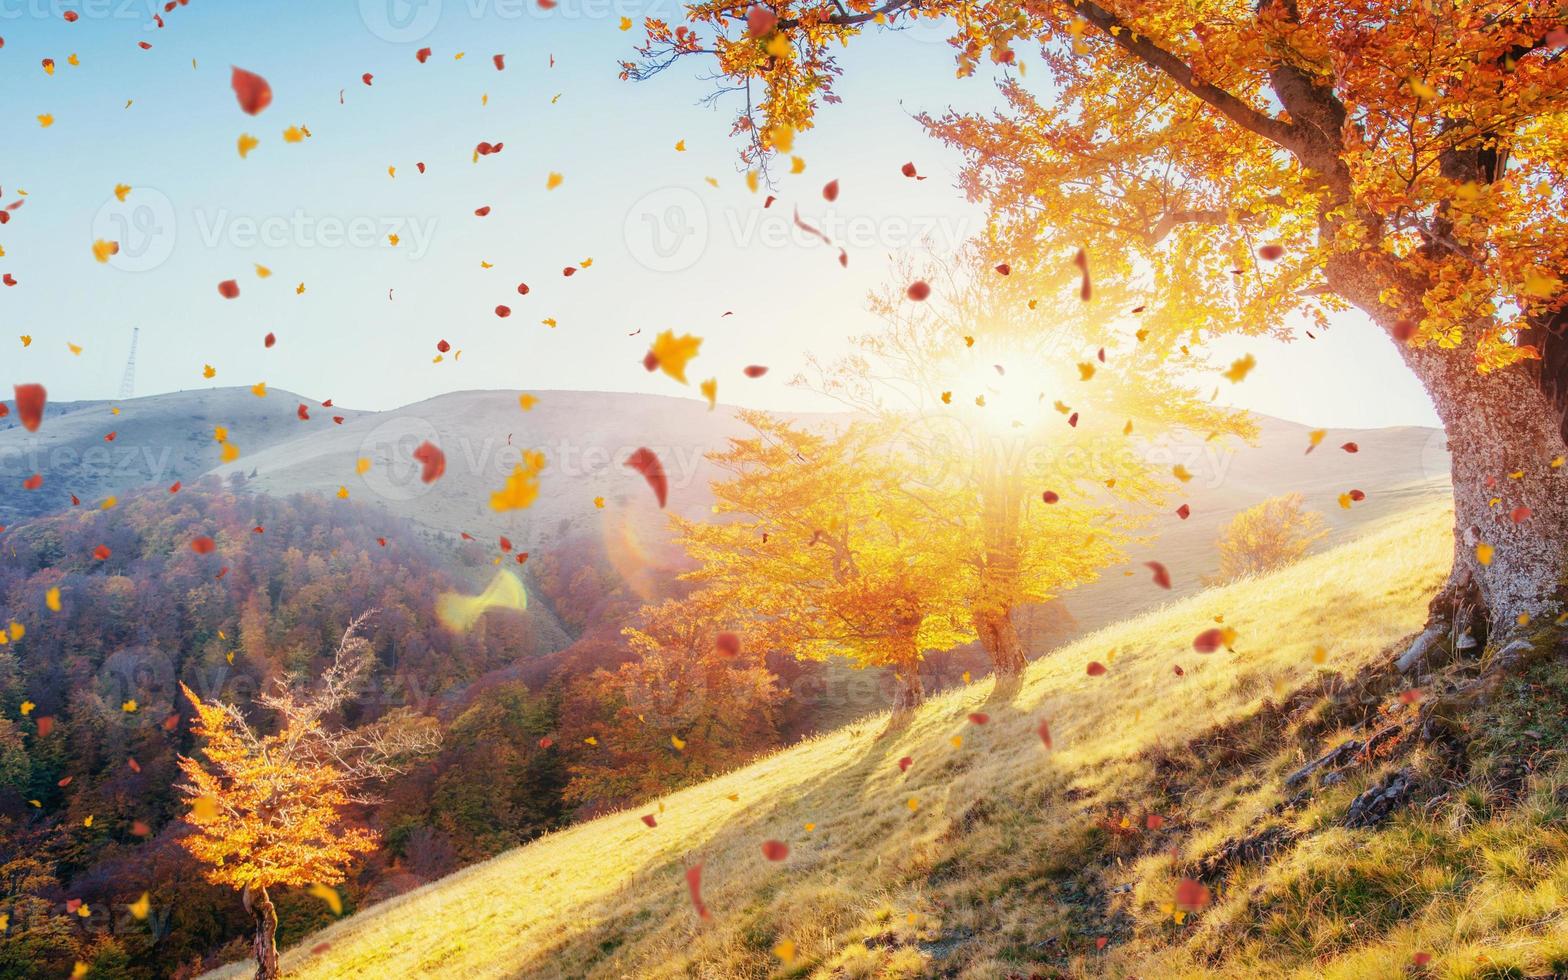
<point x="85" y="449"/>
<point x="586" y="437"/>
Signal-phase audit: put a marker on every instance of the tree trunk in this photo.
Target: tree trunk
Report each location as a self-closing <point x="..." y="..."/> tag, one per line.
<point x="999" y="638"/>
<point x="264" y="945"/>
<point x="911" y="693"/>
<point x="1510" y="501"/>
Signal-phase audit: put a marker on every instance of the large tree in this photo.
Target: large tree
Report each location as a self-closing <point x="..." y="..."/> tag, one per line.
<point x="1029" y="421"/>
<point x="821" y="550"/>
<point x="1255" y="161"/>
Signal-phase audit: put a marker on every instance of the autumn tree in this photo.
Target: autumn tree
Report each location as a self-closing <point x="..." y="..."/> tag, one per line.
<point x="270" y="810"/>
<point x="695" y="700"/>
<point x="1257" y="166"/>
<point x="1028" y="424"/>
<point x="822" y="548"/>
<point x="1266" y="536"/>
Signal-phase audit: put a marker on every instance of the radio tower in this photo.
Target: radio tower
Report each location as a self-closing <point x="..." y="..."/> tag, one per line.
<point x="128" y="380"/>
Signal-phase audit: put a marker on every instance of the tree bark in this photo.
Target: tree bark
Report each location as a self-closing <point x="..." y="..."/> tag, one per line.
<point x="264" y="944"/>
<point x="1504" y="433"/>
<point x="999" y="638"/>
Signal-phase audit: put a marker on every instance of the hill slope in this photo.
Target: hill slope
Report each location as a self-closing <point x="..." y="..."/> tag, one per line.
<point x="995" y="857"/>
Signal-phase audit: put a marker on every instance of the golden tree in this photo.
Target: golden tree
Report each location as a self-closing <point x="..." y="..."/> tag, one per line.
<point x="1266" y="536"/>
<point x="270" y="810"/>
<point x="1027" y="421"/>
<point x="824" y="551"/>
<point x="1257" y="166"/>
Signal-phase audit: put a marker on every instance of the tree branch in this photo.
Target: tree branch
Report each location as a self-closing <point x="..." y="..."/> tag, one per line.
<point x="1236" y="110"/>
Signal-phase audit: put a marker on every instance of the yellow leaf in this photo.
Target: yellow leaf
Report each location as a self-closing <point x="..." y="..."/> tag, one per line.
<point x="52" y="599"/>
<point x="781" y="137"/>
<point x="913" y="804"/>
<point x="229" y="453"/>
<point x="1484" y="552"/>
<point x="108" y="502"/>
<point x="46" y="120"/>
<point x="259" y="389"/>
<point x="522" y="486"/>
<point x="710" y="391"/>
<point x="1421" y="89"/>
<point x="676" y="741"/>
<point x="245" y="144"/>
<point x="330" y="896"/>
<point x="141" y="906"/>
<point x="1540" y="285"/>
<point x="121" y="191"/>
<point x="797" y="165"/>
<point x="1319" y="655"/>
<point x="394" y="240"/>
<point x="129" y="707"/>
<point x="1085" y="370"/>
<point x="680" y="146"/>
<point x="220" y="433"/>
<point x="1240" y="367"/>
<point x="674" y="352"/>
<point x="262" y="272"/>
<point x="553" y="181"/>
<point x="342" y="493"/>
<point x="626" y="23"/>
<point x="527" y="401"/>
<point x="598" y="502"/>
<point x="87" y="822"/>
<point x="779" y="46"/>
<point x="26" y="707"/>
<point x="208" y="371"/>
<point x="293" y="134"/>
<point x="362" y="466"/>
<point x="1180" y="472"/>
<point x="785" y="951"/>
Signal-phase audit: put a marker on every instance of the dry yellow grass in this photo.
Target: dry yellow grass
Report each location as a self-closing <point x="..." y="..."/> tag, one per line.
<point x="988" y="858"/>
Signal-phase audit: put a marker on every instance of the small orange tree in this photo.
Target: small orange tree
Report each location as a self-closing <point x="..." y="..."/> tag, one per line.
<point x="1270" y="535"/>
<point x="269" y="809"/>
<point x="688" y="706"/>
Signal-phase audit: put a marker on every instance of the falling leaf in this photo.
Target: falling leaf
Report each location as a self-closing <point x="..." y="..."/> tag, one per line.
<point x="1162" y="577"/>
<point x="329" y="895"/>
<point x="671" y="354"/>
<point x="553" y="181"/>
<point x="252" y="91"/>
<point x="918" y="290"/>
<point x="775" y="850"/>
<point x="694" y="884"/>
<point x="522" y="486"/>
<point x="141" y="906"/>
<point x="432" y="461"/>
<point x="710" y="391"/>
<point x="1240" y="368"/>
<point x="1484" y="553"/>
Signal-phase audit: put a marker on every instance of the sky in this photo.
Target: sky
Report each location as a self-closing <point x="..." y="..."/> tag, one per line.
<point x="668" y="250"/>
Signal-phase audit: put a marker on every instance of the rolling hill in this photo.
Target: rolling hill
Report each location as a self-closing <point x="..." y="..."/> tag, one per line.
<point x="993" y="856"/>
<point x="586" y="437"/>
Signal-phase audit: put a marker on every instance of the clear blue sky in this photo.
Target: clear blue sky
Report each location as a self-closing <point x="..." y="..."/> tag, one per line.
<point x="318" y="212"/>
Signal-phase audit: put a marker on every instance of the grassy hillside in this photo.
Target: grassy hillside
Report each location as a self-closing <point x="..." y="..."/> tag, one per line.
<point x="993" y="857"/>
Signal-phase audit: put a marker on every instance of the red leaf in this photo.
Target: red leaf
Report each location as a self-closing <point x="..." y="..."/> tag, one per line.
<point x="522" y="289"/>
<point x="1421" y="959"/>
<point x="500" y="62"/>
<point x="1004" y="269"/>
<point x="1271" y="252"/>
<point x="1403" y="330"/>
<point x="432" y="460"/>
<point x="650" y="820"/>
<point x="269" y="340"/>
<point x="228" y="289"/>
<point x="252" y="90"/>
<point x="1154" y="821"/>
<point x="905" y="763"/>
<point x="33" y="482"/>
<point x="1351" y="447"/>
<point x="422" y="56"/>
<point x="727" y="644"/>
<point x="908" y="170"/>
<point x="110" y="437"/>
<point x="760" y="20"/>
<point x="694" y="882"/>
<point x="303" y="412"/>
<point x="830" y="190"/>
<point x="1191" y="895"/>
<point x="203" y="545"/>
<point x="1208" y="641"/>
<point x="174" y="487"/>
<point x="1095" y="669"/>
<point x="918" y="290"/>
<point x="755" y="371"/>
<point x="70" y="16"/>
<point x="30" y="401"/>
<point x="1184" y="512"/>
<point x="443" y="346"/>
<point x="481" y="212"/>
<point x="546" y="742"/>
<point x="506" y="543"/>
<point x="1044" y="731"/>
<point x="1520" y="514"/>
<point x="503" y="311"/>
<point x="102" y="552"/>
<point x="1357" y="496"/>
<point x="1162" y="578"/>
<point x="1050" y="496"/>
<point x="367" y="78"/>
<point x="1100" y="942"/>
<point x="650" y="361"/>
<point x="1081" y="260"/>
<point x="775" y="850"/>
<point x="646" y="463"/>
